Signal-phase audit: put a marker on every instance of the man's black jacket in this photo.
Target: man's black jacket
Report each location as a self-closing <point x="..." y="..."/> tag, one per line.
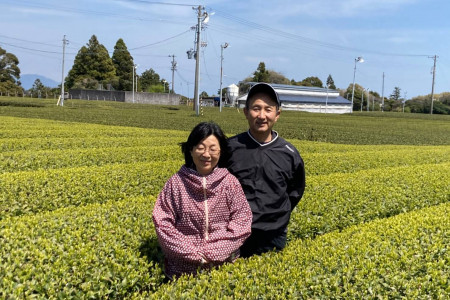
<point x="272" y="176"/>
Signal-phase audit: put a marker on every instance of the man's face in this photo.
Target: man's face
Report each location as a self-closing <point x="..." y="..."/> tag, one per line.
<point x="261" y="114"/>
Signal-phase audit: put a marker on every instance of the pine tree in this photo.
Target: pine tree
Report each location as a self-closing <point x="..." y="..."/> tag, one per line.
<point x="395" y="94"/>
<point x="261" y="74"/>
<point x="330" y="82"/>
<point x="123" y="62"/>
<point x="92" y="66"/>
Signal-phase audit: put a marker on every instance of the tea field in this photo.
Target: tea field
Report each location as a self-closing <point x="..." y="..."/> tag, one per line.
<point x="78" y="184"/>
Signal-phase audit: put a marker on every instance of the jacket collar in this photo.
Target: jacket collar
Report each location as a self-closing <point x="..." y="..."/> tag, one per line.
<point x="274" y="138"/>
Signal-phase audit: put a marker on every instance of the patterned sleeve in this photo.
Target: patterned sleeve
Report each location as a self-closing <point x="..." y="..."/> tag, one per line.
<point x="175" y="244"/>
<point x="223" y="243"/>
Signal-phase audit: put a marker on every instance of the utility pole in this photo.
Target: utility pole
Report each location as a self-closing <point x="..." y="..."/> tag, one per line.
<point x="221" y="73"/>
<point x="382" y="95"/>
<point x="432" y="86"/>
<point x="65" y="42"/>
<point x="197" y="59"/>
<point x="174" y="68"/>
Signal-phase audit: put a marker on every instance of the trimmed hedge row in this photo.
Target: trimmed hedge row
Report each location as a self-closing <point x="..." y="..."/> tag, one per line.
<point x="36" y="144"/>
<point x="403" y="257"/>
<point x="37" y="128"/>
<point x="93" y="252"/>
<point x="52" y="159"/>
<point x="317" y="163"/>
<point x="46" y="190"/>
<point x="340" y="162"/>
<point x="336" y="201"/>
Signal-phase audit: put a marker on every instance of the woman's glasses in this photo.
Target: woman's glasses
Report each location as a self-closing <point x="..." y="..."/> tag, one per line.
<point x="201" y="150"/>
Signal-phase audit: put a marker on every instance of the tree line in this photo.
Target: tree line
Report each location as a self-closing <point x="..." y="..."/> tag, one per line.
<point x="93" y="68"/>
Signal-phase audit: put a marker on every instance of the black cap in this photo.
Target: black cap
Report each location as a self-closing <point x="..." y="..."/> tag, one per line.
<point x="265" y="89"/>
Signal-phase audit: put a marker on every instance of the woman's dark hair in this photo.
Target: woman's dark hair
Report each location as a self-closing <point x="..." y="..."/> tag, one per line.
<point x="200" y="132"/>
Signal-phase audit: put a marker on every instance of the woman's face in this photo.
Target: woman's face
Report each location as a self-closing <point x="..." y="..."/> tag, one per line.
<point x="206" y="155"/>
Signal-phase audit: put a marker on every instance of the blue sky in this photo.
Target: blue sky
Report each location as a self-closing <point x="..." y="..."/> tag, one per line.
<point x="294" y="37"/>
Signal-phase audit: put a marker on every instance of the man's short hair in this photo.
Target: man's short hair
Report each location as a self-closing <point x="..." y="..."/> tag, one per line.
<point x="263" y="88"/>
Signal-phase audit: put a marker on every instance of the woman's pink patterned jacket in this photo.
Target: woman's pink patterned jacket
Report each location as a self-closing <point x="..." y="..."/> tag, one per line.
<point x="198" y="217"/>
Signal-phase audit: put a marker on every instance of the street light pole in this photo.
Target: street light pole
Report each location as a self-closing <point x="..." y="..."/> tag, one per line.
<point x="361" y="60"/>
<point x="326" y="100"/>
<point x="221" y="73"/>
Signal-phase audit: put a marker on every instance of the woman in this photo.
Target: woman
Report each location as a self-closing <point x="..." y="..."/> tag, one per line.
<point x="201" y="216"/>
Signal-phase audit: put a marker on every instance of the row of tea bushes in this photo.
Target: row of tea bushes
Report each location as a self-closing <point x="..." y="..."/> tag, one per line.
<point x="46" y="190"/>
<point x="402" y="257"/>
<point x="101" y="153"/>
<point x="36" y="144"/>
<point x="336" y="201"/>
<point x="43" y="190"/>
<point x="11" y="127"/>
<point x="54" y="159"/>
<point x="92" y="252"/>
<point x="37" y="134"/>
<point x="340" y="162"/>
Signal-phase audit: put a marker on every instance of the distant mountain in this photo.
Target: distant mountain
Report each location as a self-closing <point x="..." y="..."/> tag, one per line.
<point x="27" y="81"/>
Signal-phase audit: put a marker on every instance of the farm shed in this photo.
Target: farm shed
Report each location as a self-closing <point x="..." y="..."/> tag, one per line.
<point x="305" y="98"/>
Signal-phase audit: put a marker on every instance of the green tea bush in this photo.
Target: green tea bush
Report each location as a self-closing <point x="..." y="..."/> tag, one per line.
<point x="35" y="144"/>
<point x="402" y="257"/>
<point x="336" y="201"/>
<point x="46" y="190"/>
<point x="55" y="159"/>
<point x="91" y="252"/>
<point x="12" y="127"/>
<point x="345" y="162"/>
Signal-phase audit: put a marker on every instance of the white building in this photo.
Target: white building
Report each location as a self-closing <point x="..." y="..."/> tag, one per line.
<point x="305" y="98"/>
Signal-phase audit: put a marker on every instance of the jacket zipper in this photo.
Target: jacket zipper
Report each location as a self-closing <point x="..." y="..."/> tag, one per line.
<point x="206" y="210"/>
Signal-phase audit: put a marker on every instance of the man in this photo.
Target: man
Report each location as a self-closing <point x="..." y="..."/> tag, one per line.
<point x="269" y="169"/>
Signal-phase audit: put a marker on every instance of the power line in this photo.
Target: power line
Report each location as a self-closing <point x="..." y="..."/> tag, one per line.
<point x="162" y="41"/>
<point x="90" y="53"/>
<point x="27" y="41"/>
<point x="30" y="49"/>
<point x="307" y="40"/>
<point x="99" y="13"/>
